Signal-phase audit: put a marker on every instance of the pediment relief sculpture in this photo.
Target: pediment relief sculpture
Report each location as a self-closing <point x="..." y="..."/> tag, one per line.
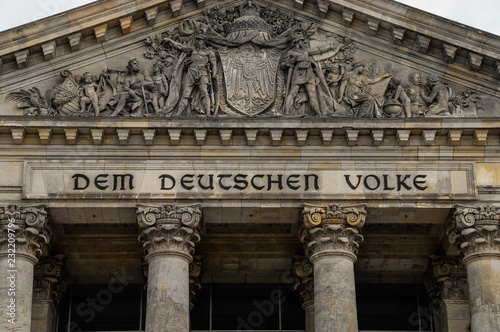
<point x="251" y="61"/>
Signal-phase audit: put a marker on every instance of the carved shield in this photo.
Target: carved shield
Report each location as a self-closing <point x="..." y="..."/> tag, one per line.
<point x="250" y="77"/>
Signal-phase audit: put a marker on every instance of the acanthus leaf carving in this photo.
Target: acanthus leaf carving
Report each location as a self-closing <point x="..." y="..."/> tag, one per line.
<point x="169" y="228"/>
<point x="195" y="277"/>
<point x="48" y="283"/>
<point x="450" y="274"/>
<point x="475" y="230"/>
<point x="27" y="226"/>
<point x="332" y="228"/>
<point x="303" y="280"/>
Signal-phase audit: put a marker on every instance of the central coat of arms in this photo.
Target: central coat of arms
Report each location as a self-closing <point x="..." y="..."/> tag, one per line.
<point x="250" y="77"/>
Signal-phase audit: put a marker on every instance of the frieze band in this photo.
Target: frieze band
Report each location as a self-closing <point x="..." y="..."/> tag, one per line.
<point x="250" y="61"/>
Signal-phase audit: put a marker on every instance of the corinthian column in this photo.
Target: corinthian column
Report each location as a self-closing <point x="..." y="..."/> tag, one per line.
<point x="332" y="239"/>
<point x="477" y="233"/>
<point x="169" y="233"/>
<point x="23" y="233"/>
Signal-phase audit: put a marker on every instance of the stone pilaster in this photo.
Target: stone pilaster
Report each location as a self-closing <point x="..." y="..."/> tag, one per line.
<point x="331" y="235"/>
<point x="48" y="289"/>
<point x="302" y="272"/>
<point x="169" y="233"/>
<point x="24" y="232"/>
<point x="476" y="231"/>
<point x="449" y="292"/>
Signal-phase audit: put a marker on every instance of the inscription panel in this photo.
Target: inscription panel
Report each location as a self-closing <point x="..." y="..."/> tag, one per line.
<point x="201" y="180"/>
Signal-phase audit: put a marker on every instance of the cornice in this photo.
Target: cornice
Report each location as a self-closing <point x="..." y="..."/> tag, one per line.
<point x="475" y="132"/>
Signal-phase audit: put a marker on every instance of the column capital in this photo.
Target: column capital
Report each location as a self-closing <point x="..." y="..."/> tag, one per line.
<point x="303" y="281"/>
<point x="476" y="231"/>
<point x="169" y="229"/>
<point x="48" y="283"/>
<point x="333" y="214"/>
<point x="26" y="226"/>
<point x="449" y="279"/>
<point x="332" y="230"/>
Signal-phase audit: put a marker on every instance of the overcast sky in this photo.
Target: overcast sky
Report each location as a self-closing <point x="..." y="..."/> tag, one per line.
<point x="481" y="14"/>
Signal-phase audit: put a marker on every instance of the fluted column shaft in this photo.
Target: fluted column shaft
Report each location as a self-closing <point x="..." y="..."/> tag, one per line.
<point x="25" y="229"/>
<point x="169" y="233"/>
<point x="332" y="238"/>
<point x="477" y="232"/>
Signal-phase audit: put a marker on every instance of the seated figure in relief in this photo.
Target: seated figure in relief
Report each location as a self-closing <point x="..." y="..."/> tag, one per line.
<point x="438" y="99"/>
<point x="133" y="93"/>
<point x="397" y="103"/>
<point x="355" y="90"/>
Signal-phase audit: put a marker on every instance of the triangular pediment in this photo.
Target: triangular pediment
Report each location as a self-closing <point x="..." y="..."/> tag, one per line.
<point x="313" y="58"/>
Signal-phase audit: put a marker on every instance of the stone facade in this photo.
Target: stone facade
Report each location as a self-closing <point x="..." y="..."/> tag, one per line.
<point x="211" y="142"/>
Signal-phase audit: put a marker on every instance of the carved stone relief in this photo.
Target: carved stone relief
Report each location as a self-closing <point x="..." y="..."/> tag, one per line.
<point x="249" y="61"/>
<point x="475" y="230"/>
<point x="27" y="226"/>
<point x="48" y="284"/>
<point x="449" y="279"/>
<point x="170" y="228"/>
<point x="332" y="228"/>
<point x="303" y="281"/>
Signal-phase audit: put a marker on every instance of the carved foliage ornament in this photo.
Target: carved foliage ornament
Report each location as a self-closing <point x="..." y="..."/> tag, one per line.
<point x="195" y="277"/>
<point x="24" y="226"/>
<point x="248" y="61"/>
<point x="169" y="227"/>
<point x="48" y="283"/>
<point x="475" y="230"/>
<point x="451" y="277"/>
<point x="332" y="228"/>
<point x="353" y="216"/>
<point x="332" y="238"/>
<point x="303" y="281"/>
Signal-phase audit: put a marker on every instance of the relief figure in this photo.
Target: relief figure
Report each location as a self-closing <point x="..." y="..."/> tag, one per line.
<point x="89" y="97"/>
<point x="159" y="91"/>
<point x="355" y="91"/>
<point x="417" y="103"/>
<point x="438" y="99"/>
<point x="133" y="93"/>
<point x="397" y="103"/>
<point x="304" y="72"/>
<point x="200" y="69"/>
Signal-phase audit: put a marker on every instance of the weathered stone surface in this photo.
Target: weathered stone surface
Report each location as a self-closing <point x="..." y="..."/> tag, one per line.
<point x="331" y="236"/>
<point x="448" y="288"/>
<point x="278" y="69"/>
<point x="23" y="233"/>
<point x="169" y="233"/>
<point x="477" y="232"/>
<point x="302" y="274"/>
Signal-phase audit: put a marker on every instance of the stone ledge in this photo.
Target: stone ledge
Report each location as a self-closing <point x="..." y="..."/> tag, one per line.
<point x="284" y="132"/>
